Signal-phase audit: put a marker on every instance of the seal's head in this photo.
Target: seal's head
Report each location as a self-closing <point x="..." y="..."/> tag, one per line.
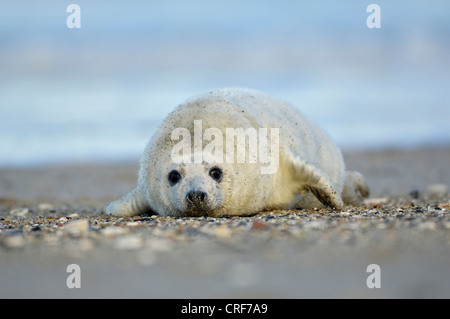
<point x="196" y="189"/>
<point x="208" y="188"/>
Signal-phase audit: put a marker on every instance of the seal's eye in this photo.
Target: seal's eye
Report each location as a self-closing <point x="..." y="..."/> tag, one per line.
<point x="174" y="177"/>
<point x="216" y="174"/>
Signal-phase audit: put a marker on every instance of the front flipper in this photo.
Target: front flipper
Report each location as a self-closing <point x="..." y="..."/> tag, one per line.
<point x="131" y="204"/>
<point x="313" y="179"/>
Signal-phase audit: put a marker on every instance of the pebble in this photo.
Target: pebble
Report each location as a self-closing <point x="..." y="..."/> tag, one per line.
<point x="128" y="242"/>
<point x="223" y="231"/>
<point x="78" y="228"/>
<point x="133" y="224"/>
<point x="258" y="225"/>
<point x="14" y="241"/>
<point x="437" y="190"/>
<point x="162" y="245"/>
<point x="19" y="212"/>
<point x="315" y="225"/>
<point x="45" y="206"/>
<point x="376" y="201"/>
<point x="63" y="220"/>
<point x="427" y="226"/>
<point x="113" y="231"/>
<point x="351" y="226"/>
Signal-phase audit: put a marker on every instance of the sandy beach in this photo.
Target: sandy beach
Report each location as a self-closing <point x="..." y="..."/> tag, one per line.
<point x="52" y="217"/>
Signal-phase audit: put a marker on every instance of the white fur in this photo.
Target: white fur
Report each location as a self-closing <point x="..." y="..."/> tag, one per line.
<point x="311" y="168"/>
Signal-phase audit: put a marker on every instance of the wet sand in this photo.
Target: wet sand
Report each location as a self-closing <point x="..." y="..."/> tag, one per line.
<point x="51" y="217"/>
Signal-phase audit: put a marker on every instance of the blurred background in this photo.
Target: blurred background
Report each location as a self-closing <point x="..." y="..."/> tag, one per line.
<point x="98" y="92"/>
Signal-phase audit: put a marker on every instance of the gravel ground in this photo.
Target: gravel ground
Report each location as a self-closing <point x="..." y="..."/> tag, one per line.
<point x="53" y="217"/>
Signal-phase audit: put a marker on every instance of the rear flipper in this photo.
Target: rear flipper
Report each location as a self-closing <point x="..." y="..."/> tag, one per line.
<point x="355" y="188"/>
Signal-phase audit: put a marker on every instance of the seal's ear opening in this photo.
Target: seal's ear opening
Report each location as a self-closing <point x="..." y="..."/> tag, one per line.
<point x="314" y="180"/>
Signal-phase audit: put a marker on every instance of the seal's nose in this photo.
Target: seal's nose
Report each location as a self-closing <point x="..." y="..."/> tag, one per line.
<point x="196" y="197"/>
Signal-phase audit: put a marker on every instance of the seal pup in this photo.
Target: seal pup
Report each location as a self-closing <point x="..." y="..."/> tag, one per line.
<point x="180" y="176"/>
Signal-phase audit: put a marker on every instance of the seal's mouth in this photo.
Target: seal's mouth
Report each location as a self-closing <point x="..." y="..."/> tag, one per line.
<point x="197" y="213"/>
<point x="197" y="204"/>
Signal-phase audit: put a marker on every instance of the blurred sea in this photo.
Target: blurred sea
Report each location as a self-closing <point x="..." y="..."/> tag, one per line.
<point x="97" y="93"/>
